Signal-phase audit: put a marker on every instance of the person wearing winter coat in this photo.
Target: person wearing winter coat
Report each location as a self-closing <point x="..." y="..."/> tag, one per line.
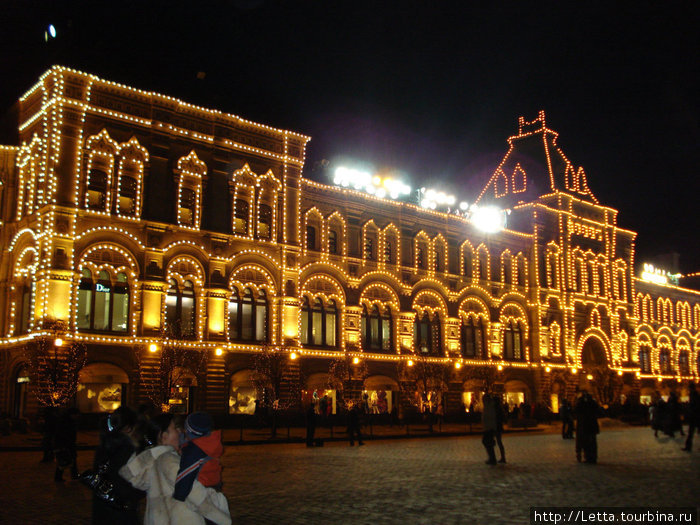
<point x="587" y="428"/>
<point x="65" y="438"/>
<point x="115" y="448"/>
<point x="693" y="417"/>
<point x="489" y="420"/>
<point x="155" y="470"/>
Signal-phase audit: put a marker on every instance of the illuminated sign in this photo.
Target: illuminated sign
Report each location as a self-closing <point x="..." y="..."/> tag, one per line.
<point x="658" y="276"/>
<point x="101" y="288"/>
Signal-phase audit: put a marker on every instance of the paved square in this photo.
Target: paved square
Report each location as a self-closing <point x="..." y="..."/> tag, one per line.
<point x="401" y="481"/>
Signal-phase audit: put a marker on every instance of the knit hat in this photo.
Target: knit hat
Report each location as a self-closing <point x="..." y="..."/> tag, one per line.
<point x="198" y="424"/>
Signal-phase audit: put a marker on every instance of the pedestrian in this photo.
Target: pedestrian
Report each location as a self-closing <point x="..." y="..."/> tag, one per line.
<point x="65" y="444"/>
<point x="587" y="428"/>
<point x="155" y="469"/>
<point x="489" y="420"/>
<point x="693" y="414"/>
<point x="500" y="418"/>
<point x="567" y="420"/>
<point x="48" y="434"/>
<point x="659" y="415"/>
<point x="117" y="445"/>
<point x="354" y="424"/>
<point x="310" y="425"/>
<point x="672" y="420"/>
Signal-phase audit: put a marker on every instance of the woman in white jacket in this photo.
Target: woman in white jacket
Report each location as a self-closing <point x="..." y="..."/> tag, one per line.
<point x="155" y="469"/>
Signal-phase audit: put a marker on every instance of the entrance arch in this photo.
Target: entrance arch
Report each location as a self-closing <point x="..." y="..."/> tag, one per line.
<point x="101" y="388"/>
<point x="593" y="353"/>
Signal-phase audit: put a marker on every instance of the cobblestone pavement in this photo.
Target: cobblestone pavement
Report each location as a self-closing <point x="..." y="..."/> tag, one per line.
<point x="411" y="481"/>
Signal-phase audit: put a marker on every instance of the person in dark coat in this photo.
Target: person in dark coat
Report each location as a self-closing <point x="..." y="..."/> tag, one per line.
<point x="693" y="415"/>
<point x="500" y="419"/>
<point x="489" y="421"/>
<point x="567" y="420"/>
<point x="587" y="428"/>
<point x="48" y="434"/>
<point x="65" y="439"/>
<point x="117" y="444"/>
<point x="354" y="424"/>
<point x="658" y="414"/>
<point x="310" y="425"/>
<point x="672" y="420"/>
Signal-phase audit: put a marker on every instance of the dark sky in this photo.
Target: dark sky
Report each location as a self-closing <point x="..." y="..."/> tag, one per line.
<point x="432" y="92"/>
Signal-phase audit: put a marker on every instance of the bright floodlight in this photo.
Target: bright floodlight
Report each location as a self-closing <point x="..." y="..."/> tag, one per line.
<point x="52" y="31"/>
<point x="488" y="219"/>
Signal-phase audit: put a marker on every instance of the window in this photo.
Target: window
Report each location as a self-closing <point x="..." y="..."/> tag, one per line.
<point x="318" y="323"/>
<point x="333" y="242"/>
<point x="513" y="342"/>
<point x="240" y="217"/>
<point x="439" y="260"/>
<point x="420" y="257"/>
<point x="264" y="222"/>
<point x="102" y="305"/>
<point x="664" y="361"/>
<point x="645" y="359"/>
<point x="310" y="237"/>
<point x="126" y="202"/>
<point x="187" y="207"/>
<point x="684" y="363"/>
<point x="426" y="334"/>
<point x="97" y="190"/>
<point x="377" y="330"/>
<point x="369" y="249"/>
<point x="247" y="316"/>
<point x="388" y="252"/>
<point x="25" y="309"/>
<point x="473" y="341"/>
<point x="180" y="310"/>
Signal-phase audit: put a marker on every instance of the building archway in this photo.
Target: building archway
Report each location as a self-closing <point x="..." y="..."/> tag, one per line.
<point x="101" y="388"/>
<point x="593" y="353"/>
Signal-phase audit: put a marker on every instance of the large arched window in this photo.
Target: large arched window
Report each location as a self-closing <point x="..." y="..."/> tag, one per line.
<point x="103" y="305"/>
<point x="126" y="200"/>
<point x="473" y="338"/>
<point x="333" y="247"/>
<point x="247" y="316"/>
<point x="319" y="323"/>
<point x="377" y="329"/>
<point x="180" y="309"/>
<point x="426" y="334"/>
<point x="513" y="341"/>
<point x="645" y="359"/>
<point x="310" y="237"/>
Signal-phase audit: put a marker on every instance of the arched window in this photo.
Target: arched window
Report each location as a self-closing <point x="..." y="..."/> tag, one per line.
<point x="420" y="257"/>
<point x="180" y="310"/>
<point x="683" y="363"/>
<point x="552" y="270"/>
<point x="513" y="342"/>
<point x="318" y="323"/>
<point x="439" y="259"/>
<point x="426" y="334"/>
<point x="186" y="209"/>
<point x="377" y="330"/>
<point x="310" y="237"/>
<point x="97" y="190"/>
<point x="645" y="359"/>
<point x="664" y="361"/>
<point x="126" y="201"/>
<point x="264" y="221"/>
<point x="369" y="249"/>
<point x="103" y="306"/>
<point x="240" y="217"/>
<point x="388" y="252"/>
<point x="473" y="338"/>
<point x="247" y="319"/>
<point x="333" y="242"/>
<point x="25" y="308"/>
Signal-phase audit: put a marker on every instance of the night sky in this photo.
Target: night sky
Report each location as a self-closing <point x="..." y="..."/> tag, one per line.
<point x="431" y="93"/>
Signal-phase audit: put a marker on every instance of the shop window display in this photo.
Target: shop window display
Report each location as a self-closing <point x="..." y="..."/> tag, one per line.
<point x="99" y="397"/>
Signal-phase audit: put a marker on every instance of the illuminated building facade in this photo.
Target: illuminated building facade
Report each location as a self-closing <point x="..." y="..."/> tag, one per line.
<point x="141" y="222"/>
